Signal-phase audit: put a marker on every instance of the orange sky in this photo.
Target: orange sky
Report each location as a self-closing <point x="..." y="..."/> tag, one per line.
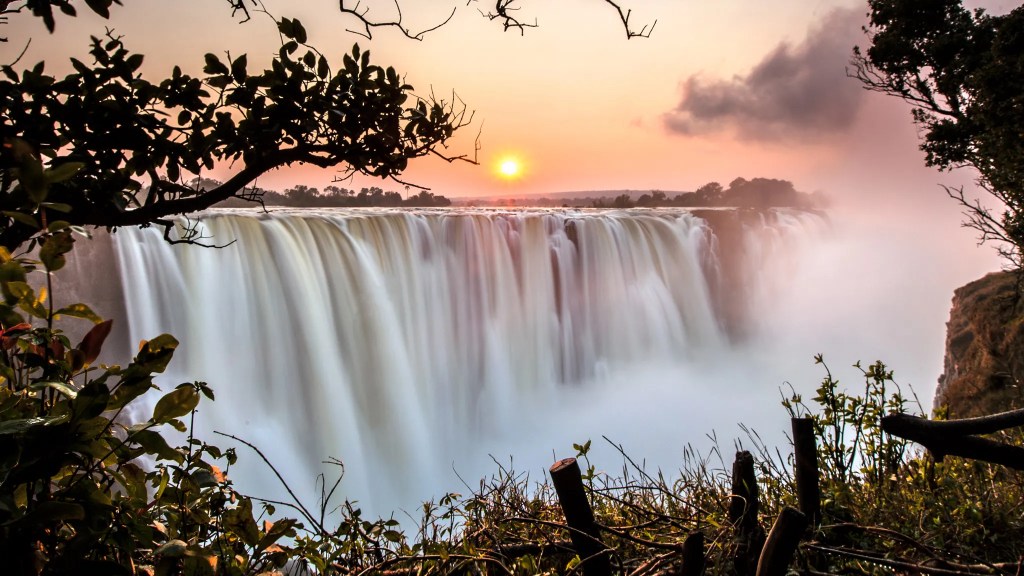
<point x="720" y="89"/>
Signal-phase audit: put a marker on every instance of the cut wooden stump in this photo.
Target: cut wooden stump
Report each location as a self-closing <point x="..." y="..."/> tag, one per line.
<point x="583" y="530"/>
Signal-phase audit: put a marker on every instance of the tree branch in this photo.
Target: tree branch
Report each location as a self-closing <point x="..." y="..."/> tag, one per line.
<point x="362" y="15"/>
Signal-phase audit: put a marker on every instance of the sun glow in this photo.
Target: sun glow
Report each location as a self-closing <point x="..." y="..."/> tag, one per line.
<point x="509" y="168"/>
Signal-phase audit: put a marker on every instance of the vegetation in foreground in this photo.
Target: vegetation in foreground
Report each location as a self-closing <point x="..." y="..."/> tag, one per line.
<point x="83" y="490"/>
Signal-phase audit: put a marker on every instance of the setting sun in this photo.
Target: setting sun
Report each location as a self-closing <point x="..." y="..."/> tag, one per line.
<point x="509" y="168"/>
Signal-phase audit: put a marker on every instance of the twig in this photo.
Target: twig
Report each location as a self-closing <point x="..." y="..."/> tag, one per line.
<point x="298" y="503"/>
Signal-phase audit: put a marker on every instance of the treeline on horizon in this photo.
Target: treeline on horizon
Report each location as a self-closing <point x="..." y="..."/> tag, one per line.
<point x="741" y="193"/>
<point x="302" y="196"/>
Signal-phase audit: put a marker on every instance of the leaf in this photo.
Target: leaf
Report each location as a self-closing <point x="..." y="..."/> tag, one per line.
<point x="49" y="511"/>
<point x="62" y="172"/>
<point x="322" y="68"/>
<point x="20" y="290"/>
<point x="286" y="28"/>
<point x="58" y="225"/>
<point x="153" y="443"/>
<point x="54" y="248"/>
<point x="91" y="400"/>
<point x="156" y="353"/>
<point x="92" y="342"/>
<point x="21" y="425"/>
<point x="57" y="206"/>
<point x="238" y="68"/>
<point x="299" y="31"/>
<point x="214" y="67"/>
<point x="176" y="403"/>
<point x="79" y="311"/>
<point x="61" y="387"/>
<point x="134" y="61"/>
<point x="275" y="531"/>
<point x="22" y="218"/>
<point x="206" y="390"/>
<point x="101" y="7"/>
<point x="239" y="520"/>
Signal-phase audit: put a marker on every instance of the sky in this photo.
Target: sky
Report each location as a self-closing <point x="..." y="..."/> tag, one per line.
<point x="719" y="89"/>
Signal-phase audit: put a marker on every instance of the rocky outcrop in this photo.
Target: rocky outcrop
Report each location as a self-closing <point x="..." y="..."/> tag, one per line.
<point x="984" y="364"/>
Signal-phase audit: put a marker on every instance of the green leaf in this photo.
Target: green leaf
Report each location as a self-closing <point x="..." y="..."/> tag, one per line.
<point x="58" y="225"/>
<point x="21" y="218"/>
<point x="153" y="443"/>
<point x="154" y="354"/>
<point x="20" y="290"/>
<point x="19" y="426"/>
<point x="62" y="172"/>
<point x="61" y="387"/>
<point x="91" y="400"/>
<point x="239" y="520"/>
<point x="57" y="206"/>
<point x="129" y="389"/>
<point x="79" y="311"/>
<point x="54" y="248"/>
<point x="277" y="530"/>
<point x="49" y="511"/>
<point x="176" y="403"/>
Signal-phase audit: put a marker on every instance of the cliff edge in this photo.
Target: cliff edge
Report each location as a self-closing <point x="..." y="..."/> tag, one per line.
<point x="984" y="363"/>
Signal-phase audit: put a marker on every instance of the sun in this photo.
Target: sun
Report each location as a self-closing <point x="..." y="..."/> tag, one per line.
<point x="509" y="168"/>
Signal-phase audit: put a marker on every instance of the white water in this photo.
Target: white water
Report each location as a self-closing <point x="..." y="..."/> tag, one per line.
<point x="410" y="343"/>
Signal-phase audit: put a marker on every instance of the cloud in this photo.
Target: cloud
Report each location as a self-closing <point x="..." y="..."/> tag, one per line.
<point x="796" y="92"/>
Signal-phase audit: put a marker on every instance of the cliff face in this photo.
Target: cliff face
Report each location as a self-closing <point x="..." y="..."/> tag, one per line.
<point x="984" y="364"/>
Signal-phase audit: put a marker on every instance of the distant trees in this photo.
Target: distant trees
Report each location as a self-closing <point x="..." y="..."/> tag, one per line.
<point x="963" y="72"/>
<point x="742" y="193"/>
<point x="303" y="196"/>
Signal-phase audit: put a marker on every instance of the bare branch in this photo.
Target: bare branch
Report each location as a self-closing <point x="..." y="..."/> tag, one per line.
<point x="644" y="32"/>
<point x="990" y="228"/>
<point x="189" y="233"/>
<point x="504" y="10"/>
<point x="362" y="15"/>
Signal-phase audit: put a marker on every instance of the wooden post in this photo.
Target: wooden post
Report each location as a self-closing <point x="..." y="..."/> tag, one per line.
<point x="743" y="508"/>
<point x="744" y="504"/>
<point x="805" y="450"/>
<point x="568" y="482"/>
<point x="782" y="542"/>
<point x="693" y="555"/>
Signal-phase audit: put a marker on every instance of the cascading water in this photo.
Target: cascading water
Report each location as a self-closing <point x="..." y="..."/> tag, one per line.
<point x="400" y="342"/>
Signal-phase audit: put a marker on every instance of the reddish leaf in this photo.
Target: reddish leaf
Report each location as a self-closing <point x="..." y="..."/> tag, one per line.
<point x="93" y="341"/>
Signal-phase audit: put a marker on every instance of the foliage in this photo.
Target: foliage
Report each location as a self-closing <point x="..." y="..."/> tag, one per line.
<point x="82" y="488"/>
<point x="741" y="193"/>
<point x="133" y="144"/>
<point x="963" y="72"/>
<point x="335" y="196"/>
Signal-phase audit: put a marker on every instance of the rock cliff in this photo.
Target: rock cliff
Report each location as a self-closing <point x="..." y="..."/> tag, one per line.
<point x="984" y="364"/>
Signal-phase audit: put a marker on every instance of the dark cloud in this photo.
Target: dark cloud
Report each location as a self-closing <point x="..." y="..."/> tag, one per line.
<point x="795" y="92"/>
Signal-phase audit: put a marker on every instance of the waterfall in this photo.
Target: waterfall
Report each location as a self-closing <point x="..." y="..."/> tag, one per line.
<point x="398" y="341"/>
